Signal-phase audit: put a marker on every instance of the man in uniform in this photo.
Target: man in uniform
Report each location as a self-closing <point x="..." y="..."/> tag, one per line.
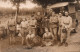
<point x="12" y="29"/>
<point x="53" y="24"/>
<point x="45" y="23"/>
<point x="66" y="23"/>
<point x="29" y="39"/>
<point x="39" y="24"/>
<point x="59" y="25"/>
<point x="24" y="30"/>
<point x="33" y="40"/>
<point x="33" y="24"/>
<point x="48" y="38"/>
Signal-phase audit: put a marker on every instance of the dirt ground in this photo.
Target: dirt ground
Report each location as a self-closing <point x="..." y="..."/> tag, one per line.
<point x="74" y="45"/>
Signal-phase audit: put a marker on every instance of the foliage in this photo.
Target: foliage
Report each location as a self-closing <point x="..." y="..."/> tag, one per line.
<point x="44" y="3"/>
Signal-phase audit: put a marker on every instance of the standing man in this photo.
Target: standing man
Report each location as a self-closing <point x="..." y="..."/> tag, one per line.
<point x="24" y="30"/>
<point x="66" y="23"/>
<point x="33" y="24"/>
<point x="39" y="24"/>
<point x="45" y="23"/>
<point x="12" y="29"/>
<point x="59" y="25"/>
<point x="53" y="25"/>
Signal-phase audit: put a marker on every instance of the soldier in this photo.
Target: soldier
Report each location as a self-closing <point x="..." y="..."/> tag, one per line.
<point x="29" y="39"/>
<point x="39" y="24"/>
<point x="49" y="12"/>
<point x="24" y="30"/>
<point x="45" y="23"/>
<point x="12" y="29"/>
<point x="53" y="25"/>
<point x="66" y="23"/>
<point x="48" y="38"/>
<point x="33" y="24"/>
<point x="32" y="40"/>
<point x="59" y="25"/>
<point x="1" y="31"/>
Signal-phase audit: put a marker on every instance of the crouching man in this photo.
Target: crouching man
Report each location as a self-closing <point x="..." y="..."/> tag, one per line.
<point x="29" y="40"/>
<point x="33" y="40"/>
<point x="48" y="38"/>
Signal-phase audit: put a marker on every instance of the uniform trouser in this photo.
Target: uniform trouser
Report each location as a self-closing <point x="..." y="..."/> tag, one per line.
<point x="29" y="42"/>
<point x="48" y="42"/>
<point x="24" y="32"/>
<point x="34" y="30"/>
<point x="54" y="31"/>
<point x="59" y="33"/>
<point x="12" y="36"/>
<point x="65" y="36"/>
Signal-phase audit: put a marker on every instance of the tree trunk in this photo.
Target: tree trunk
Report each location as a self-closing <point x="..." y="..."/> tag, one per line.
<point x="17" y="11"/>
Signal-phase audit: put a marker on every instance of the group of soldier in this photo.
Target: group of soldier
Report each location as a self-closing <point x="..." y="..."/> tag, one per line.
<point x="43" y="31"/>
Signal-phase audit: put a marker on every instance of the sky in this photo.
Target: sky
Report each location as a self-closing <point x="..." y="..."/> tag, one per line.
<point x="28" y="5"/>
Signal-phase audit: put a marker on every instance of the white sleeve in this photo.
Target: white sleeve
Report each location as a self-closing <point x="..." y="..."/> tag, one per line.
<point x="70" y="21"/>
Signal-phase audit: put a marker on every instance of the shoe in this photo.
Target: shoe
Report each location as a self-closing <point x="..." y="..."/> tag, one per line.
<point x="60" y="44"/>
<point x="66" y="44"/>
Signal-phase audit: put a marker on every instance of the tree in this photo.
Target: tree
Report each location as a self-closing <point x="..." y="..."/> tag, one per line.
<point x="17" y="3"/>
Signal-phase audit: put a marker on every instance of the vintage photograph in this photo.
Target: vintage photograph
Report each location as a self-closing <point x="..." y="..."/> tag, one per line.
<point x="39" y="26"/>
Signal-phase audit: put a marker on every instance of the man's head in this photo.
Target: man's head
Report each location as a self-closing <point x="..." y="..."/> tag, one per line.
<point x="24" y="19"/>
<point x="53" y="13"/>
<point x="46" y="30"/>
<point x="60" y="14"/>
<point x="12" y="18"/>
<point x="38" y="13"/>
<point x="66" y="13"/>
<point x="30" y="32"/>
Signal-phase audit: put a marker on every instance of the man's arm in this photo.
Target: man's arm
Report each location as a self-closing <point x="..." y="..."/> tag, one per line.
<point x="70" y="22"/>
<point x="62" y="22"/>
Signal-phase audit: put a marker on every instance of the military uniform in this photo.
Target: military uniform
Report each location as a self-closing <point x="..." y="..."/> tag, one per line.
<point x="33" y="40"/>
<point x="12" y="29"/>
<point x="33" y="24"/>
<point x="66" y="23"/>
<point x="48" y="39"/>
<point x="45" y="22"/>
<point x="39" y="26"/>
<point x="29" y="39"/>
<point x="53" y="25"/>
<point x="59" y="27"/>
<point x="24" y="30"/>
<point x="1" y="31"/>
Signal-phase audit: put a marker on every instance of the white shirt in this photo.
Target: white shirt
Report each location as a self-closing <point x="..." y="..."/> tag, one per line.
<point x="48" y="35"/>
<point x="24" y="23"/>
<point x="67" y="20"/>
<point x="30" y="36"/>
<point x="33" y="22"/>
<point x="18" y="27"/>
<point x="11" y="22"/>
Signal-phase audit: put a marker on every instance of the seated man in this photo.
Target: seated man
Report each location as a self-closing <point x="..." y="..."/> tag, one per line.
<point x="29" y="39"/>
<point x="48" y="38"/>
<point x="33" y="40"/>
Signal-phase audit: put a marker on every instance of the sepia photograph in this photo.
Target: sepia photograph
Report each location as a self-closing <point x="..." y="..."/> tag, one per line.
<point x="39" y="26"/>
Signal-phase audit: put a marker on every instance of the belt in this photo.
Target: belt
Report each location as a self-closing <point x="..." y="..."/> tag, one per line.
<point x="66" y="23"/>
<point x="24" y="27"/>
<point x="11" y="25"/>
<point x="54" y="23"/>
